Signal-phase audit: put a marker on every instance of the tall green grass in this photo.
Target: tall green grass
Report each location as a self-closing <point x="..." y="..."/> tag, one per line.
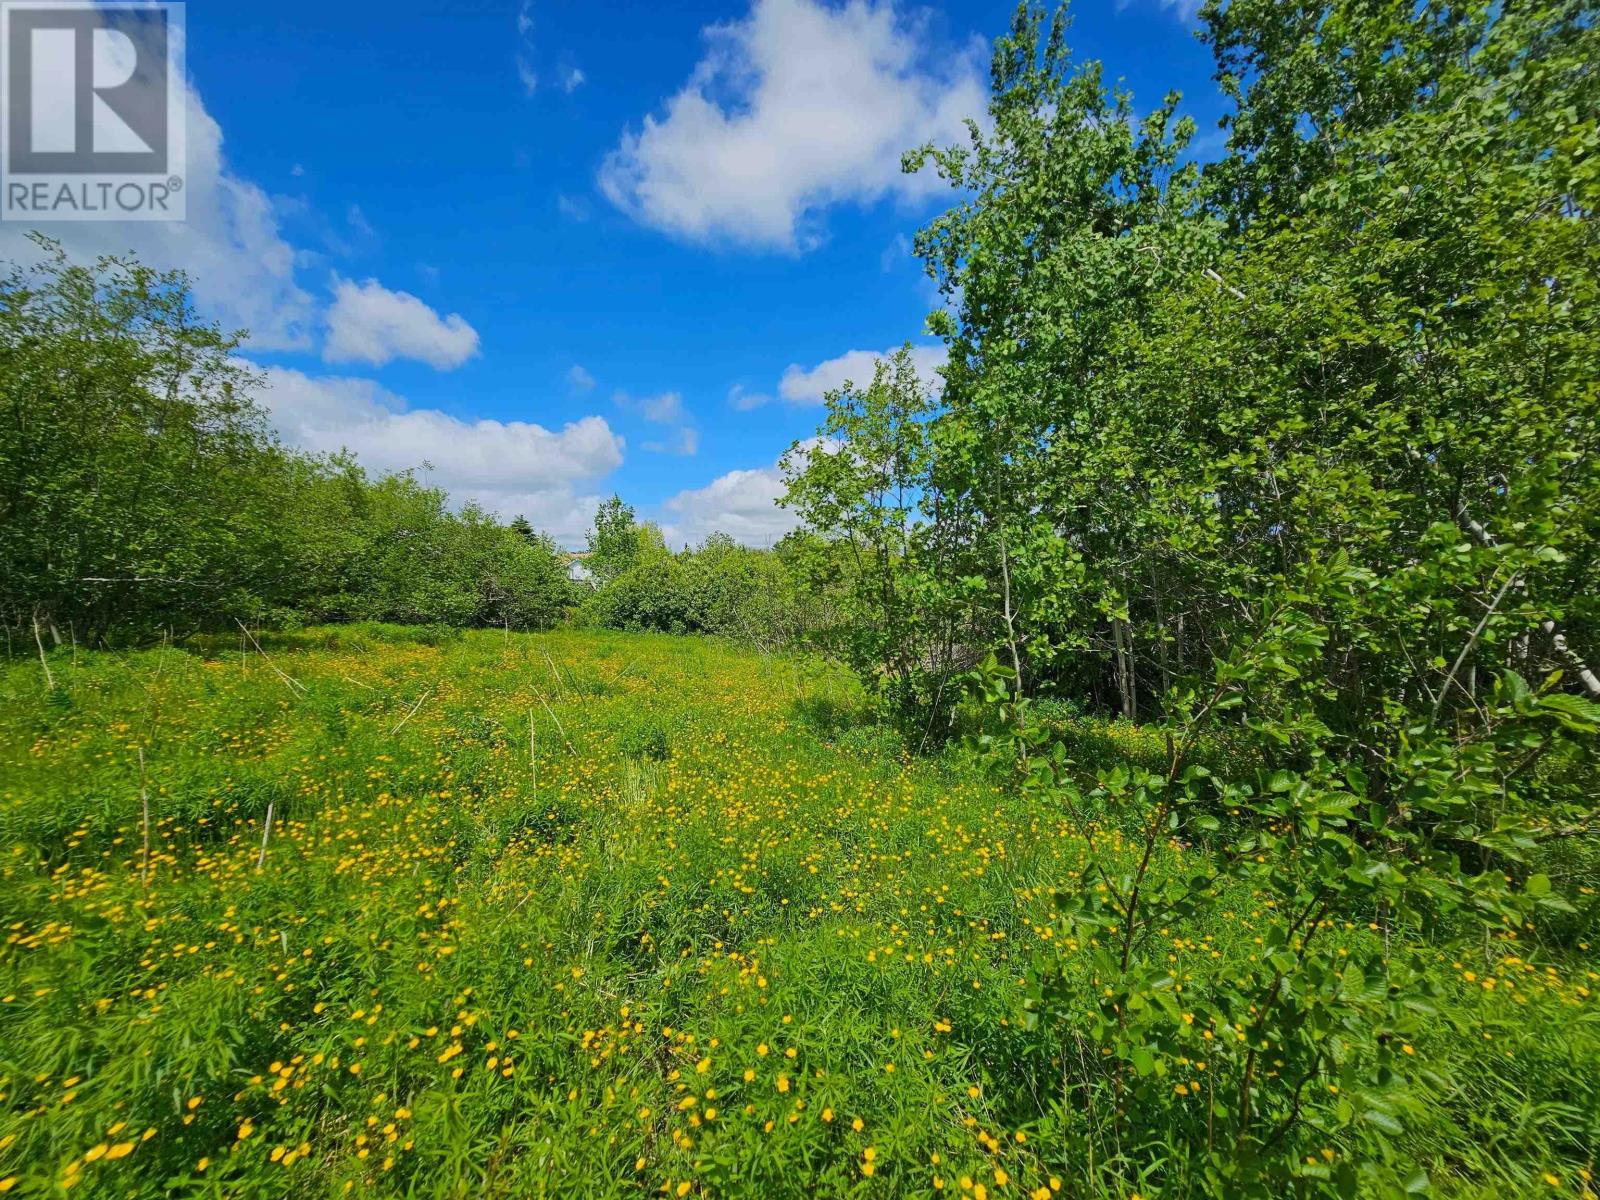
<point x="704" y="931"/>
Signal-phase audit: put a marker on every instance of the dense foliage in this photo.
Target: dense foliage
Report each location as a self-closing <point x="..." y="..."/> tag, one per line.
<point x="141" y="490"/>
<point x="1368" y="330"/>
<point x="719" y="587"/>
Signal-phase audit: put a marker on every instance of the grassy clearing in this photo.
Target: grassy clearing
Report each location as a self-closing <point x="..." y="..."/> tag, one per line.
<point x="699" y="933"/>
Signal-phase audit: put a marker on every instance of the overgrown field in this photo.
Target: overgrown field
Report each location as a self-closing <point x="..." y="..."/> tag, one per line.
<point x="587" y="915"/>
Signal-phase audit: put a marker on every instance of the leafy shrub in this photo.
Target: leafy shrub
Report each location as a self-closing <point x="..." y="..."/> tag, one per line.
<point x="720" y="588"/>
<point x="652" y="594"/>
<point x="1325" y="1031"/>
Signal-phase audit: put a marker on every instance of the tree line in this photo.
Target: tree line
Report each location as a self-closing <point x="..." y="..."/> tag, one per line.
<point x="143" y="494"/>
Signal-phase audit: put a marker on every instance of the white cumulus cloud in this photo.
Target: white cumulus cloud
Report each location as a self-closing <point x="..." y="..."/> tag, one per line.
<point x="808" y="385"/>
<point x="368" y="323"/>
<point x="742" y="504"/>
<point x="508" y="467"/>
<point x="800" y="105"/>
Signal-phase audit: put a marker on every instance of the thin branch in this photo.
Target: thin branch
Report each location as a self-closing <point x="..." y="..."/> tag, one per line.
<point x="266" y="833"/>
<point x="1444" y="689"/>
<point x="556" y="719"/>
<point x="1591" y="681"/>
<point x="49" y="679"/>
<point x="294" y="685"/>
<point x="421" y="700"/>
<point x="1223" y="284"/>
<point x="144" y="806"/>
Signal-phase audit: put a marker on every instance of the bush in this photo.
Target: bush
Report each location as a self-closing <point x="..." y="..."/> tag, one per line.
<point x="721" y="588"/>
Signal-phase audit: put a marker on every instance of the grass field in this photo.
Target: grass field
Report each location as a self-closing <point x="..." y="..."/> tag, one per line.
<point x="590" y="914"/>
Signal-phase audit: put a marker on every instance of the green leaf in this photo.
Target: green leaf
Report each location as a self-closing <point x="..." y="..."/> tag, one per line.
<point x="1383" y="1121"/>
<point x="1143" y="1061"/>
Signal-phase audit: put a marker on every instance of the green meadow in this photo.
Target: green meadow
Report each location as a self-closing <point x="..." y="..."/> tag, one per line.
<point x="383" y="911"/>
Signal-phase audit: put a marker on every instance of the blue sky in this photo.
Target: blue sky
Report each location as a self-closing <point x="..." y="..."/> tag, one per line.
<point x="560" y="249"/>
